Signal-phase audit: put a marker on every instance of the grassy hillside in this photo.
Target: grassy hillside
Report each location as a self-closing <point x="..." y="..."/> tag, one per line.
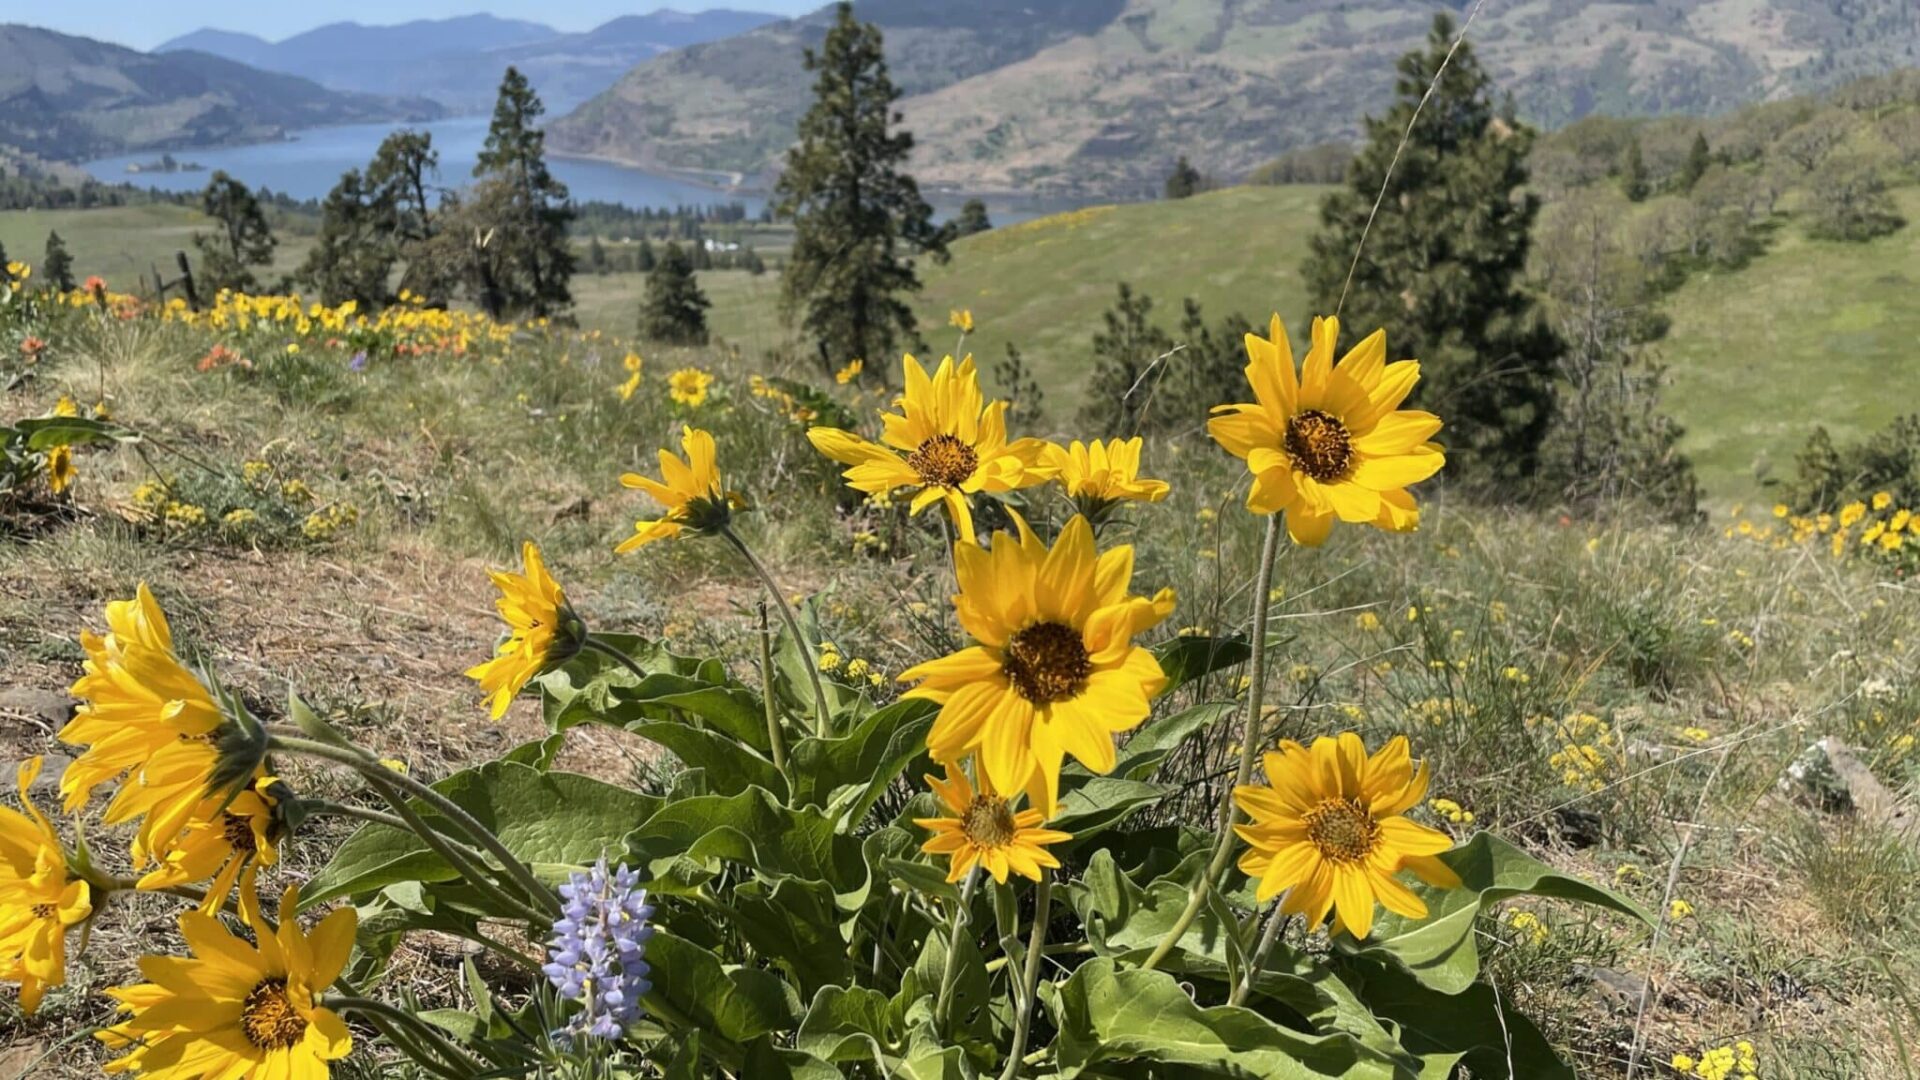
<point x="1620" y="699"/>
<point x="1813" y="332"/>
<point x="121" y="243"/>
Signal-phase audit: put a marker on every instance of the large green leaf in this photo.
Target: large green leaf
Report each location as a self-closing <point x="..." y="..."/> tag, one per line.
<point x="1110" y="1015"/>
<point x="849" y="773"/>
<point x="693" y="990"/>
<point x="755" y="830"/>
<point x="1193" y="656"/>
<point x="594" y="688"/>
<point x="1102" y="802"/>
<point x="795" y="924"/>
<point x="1123" y="918"/>
<point x="845" y="1024"/>
<point x="554" y="821"/>
<point x="1477" y="1024"/>
<point x="731" y="767"/>
<point x="1156" y="739"/>
<point x="1440" y="950"/>
<point x="47" y="432"/>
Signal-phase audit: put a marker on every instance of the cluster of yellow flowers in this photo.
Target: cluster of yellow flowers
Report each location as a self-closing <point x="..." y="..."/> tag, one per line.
<point x="1589" y="749"/>
<point x="1874" y="526"/>
<point x="1450" y="811"/>
<point x="1736" y="1060"/>
<point x="856" y="670"/>
<point x="795" y="412"/>
<point x="1529" y="926"/>
<point x="325" y="522"/>
<point x="409" y="328"/>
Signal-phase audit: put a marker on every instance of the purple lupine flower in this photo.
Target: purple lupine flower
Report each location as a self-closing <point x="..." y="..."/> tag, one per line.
<point x="598" y="953"/>
<point x="359" y="361"/>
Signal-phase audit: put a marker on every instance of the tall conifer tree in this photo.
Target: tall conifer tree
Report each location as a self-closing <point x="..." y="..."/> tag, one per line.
<point x="1444" y="259"/>
<point x="858" y="217"/>
<point x="531" y="208"/>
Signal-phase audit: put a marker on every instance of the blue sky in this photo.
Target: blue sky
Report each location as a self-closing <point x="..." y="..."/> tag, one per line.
<point x="144" y="24"/>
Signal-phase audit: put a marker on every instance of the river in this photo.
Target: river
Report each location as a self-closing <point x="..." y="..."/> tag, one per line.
<point x="307" y="165"/>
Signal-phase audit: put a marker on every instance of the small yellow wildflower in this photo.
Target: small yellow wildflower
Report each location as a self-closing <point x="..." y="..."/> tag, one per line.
<point x="849" y="373"/>
<point x="632" y="362"/>
<point x="1679" y="909"/>
<point x="961" y="319"/>
<point x="1367" y="621"/>
<point x="688" y="386"/>
<point x="1882" y="500"/>
<point x="1528" y="925"/>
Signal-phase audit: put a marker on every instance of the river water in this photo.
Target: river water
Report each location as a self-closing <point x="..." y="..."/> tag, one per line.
<point x="307" y="166"/>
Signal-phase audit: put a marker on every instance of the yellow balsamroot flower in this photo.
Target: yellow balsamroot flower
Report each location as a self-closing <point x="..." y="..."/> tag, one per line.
<point x="688" y="386"/>
<point x="145" y="720"/>
<point x="38" y="901"/>
<point x="1104" y="472"/>
<point x="238" y="1010"/>
<point x="1332" y="441"/>
<point x="65" y="407"/>
<point x="227" y="840"/>
<point x="961" y="319"/>
<point x="632" y="362"/>
<point x="61" y="472"/>
<point x="942" y="442"/>
<point x="986" y="831"/>
<point x="543" y="630"/>
<point x="1055" y="671"/>
<point x="1327" y="829"/>
<point x="690" y="490"/>
<point x="851" y="372"/>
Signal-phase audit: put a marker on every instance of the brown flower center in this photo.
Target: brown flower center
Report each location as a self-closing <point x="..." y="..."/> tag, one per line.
<point x="239" y="833"/>
<point x="1342" y="829"/>
<point x="45" y="911"/>
<point x="1047" y="662"/>
<point x="1319" y="445"/>
<point x="943" y="461"/>
<point x="988" y="822"/>
<point x="268" y="1017"/>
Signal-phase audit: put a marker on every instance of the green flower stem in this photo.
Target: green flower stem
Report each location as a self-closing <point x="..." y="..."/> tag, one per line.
<point x="1257" y="963"/>
<point x="1250" y="739"/>
<point x="472" y="871"/>
<point x="358" y="813"/>
<point x="616" y="656"/>
<point x="457" y="1062"/>
<point x="1030" y="979"/>
<point x="378" y="775"/>
<point x="961" y="916"/>
<point x="1006" y="918"/>
<point x="801" y="644"/>
<point x="775" y="739"/>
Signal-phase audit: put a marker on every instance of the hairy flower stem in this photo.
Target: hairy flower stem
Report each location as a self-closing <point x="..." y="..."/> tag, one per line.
<point x="377" y="774"/>
<point x="1258" y="961"/>
<point x="472" y="870"/>
<point x="801" y="644"/>
<point x="616" y="656"/>
<point x="1250" y="740"/>
<point x="1030" y="978"/>
<point x="951" y="972"/>
<point x="776" y="742"/>
<point x="456" y="1064"/>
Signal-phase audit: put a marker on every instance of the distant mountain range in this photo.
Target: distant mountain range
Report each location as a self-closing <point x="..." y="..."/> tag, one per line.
<point x="1100" y="96"/>
<point x="458" y="62"/>
<point x="73" y="98"/>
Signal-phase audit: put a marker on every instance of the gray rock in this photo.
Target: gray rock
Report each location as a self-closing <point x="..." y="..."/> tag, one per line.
<point x="1831" y="775"/>
<point x="49" y="709"/>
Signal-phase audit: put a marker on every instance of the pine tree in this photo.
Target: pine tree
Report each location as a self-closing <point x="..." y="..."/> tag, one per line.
<point x="858" y="218"/>
<point x="244" y="240"/>
<point x="1443" y="262"/>
<point x="1121" y="388"/>
<point x="57" y="265"/>
<point x="1633" y="173"/>
<point x="398" y="178"/>
<point x="354" y="253"/>
<point x="1699" y="157"/>
<point x="3" y="256"/>
<point x="972" y="219"/>
<point x="1184" y="181"/>
<point x="533" y="260"/>
<point x="644" y="261"/>
<point x="596" y="255"/>
<point x="675" y="310"/>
